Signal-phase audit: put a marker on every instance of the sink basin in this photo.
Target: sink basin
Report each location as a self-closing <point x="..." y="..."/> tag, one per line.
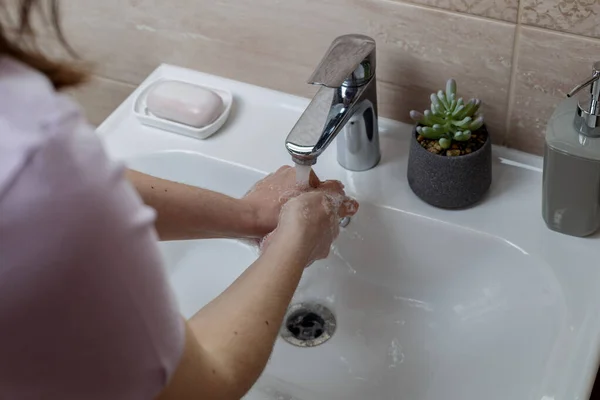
<point x="417" y="319"/>
<point x="413" y="320"/>
<point x="429" y="304"/>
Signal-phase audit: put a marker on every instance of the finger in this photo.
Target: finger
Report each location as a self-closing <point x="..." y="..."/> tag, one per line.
<point x="314" y="180"/>
<point x="290" y="194"/>
<point x="332" y="186"/>
<point x="283" y="168"/>
<point x="348" y="208"/>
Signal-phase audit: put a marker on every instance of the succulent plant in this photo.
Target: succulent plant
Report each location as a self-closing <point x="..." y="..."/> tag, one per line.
<point x="449" y="118"/>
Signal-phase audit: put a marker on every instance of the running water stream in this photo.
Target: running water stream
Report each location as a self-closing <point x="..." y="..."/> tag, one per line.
<point x="303" y="175"/>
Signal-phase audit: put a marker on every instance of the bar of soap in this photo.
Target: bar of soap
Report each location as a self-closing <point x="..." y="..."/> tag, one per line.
<point x="184" y="103"/>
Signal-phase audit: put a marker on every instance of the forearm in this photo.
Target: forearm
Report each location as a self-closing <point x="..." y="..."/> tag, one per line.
<point x="189" y="212"/>
<point x="229" y="341"/>
<point x="240" y="326"/>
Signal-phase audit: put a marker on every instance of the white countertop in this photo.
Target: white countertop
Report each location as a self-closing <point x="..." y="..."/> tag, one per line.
<point x="254" y="138"/>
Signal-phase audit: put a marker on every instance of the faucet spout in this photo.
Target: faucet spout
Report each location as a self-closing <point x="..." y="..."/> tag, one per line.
<point x="346" y="104"/>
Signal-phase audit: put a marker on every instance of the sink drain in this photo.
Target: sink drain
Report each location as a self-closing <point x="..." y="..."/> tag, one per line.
<point x="308" y="325"/>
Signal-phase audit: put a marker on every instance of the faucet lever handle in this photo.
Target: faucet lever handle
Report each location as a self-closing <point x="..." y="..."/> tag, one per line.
<point x="350" y="61"/>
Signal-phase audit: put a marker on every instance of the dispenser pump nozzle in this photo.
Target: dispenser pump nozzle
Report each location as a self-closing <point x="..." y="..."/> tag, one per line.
<point x="587" y="119"/>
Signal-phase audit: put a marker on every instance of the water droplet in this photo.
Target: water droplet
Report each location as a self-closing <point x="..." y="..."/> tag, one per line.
<point x="395" y="353"/>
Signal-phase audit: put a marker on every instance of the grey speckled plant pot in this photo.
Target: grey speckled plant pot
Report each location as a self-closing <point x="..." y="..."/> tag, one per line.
<point x="449" y="182"/>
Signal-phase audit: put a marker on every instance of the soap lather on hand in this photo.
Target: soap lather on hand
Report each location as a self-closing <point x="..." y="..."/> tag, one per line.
<point x="184" y="103"/>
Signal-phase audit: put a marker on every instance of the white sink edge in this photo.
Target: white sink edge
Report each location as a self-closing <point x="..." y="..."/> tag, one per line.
<point x="572" y="371"/>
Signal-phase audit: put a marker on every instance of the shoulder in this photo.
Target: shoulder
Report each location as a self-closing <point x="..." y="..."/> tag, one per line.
<point x="28" y="99"/>
<point x="52" y="161"/>
<point x="32" y="115"/>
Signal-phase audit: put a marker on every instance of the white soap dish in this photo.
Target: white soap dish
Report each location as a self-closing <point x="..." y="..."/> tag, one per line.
<point x="146" y="117"/>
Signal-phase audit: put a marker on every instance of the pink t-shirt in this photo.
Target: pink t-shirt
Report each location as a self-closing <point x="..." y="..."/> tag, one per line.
<point x="86" y="311"/>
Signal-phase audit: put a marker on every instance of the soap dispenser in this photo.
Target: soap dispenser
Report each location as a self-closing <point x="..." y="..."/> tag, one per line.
<point x="571" y="188"/>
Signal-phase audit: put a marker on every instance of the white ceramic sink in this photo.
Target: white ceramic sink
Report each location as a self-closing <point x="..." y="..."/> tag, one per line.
<point x="430" y="304"/>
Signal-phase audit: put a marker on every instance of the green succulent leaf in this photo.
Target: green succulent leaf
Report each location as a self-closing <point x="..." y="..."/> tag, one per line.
<point x="451" y="87"/>
<point x="476" y="124"/>
<point x="458" y="110"/>
<point x="442" y="97"/>
<point x="453" y="105"/>
<point x="437" y="110"/>
<point x="416" y="116"/>
<point x="432" y="119"/>
<point x="441" y="129"/>
<point x="477" y="103"/>
<point x="437" y="102"/>
<point x="427" y="118"/>
<point x="467" y="111"/>
<point x="445" y="143"/>
<point x="463" y="123"/>
<point x="460" y="103"/>
<point x="462" y="136"/>
<point x="430" y="133"/>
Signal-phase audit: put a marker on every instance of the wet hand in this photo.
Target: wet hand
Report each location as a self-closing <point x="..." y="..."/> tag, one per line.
<point x="310" y="221"/>
<point x="269" y="195"/>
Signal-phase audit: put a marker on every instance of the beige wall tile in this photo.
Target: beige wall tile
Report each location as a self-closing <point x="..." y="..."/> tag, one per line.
<point x="100" y="97"/>
<point x="278" y="44"/>
<point x="549" y="65"/>
<point x="505" y="10"/>
<point x="574" y="16"/>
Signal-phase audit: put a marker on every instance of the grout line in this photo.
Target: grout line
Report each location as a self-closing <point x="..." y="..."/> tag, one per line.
<point x="563" y="33"/>
<point x="513" y="74"/>
<point x="489" y="19"/>
<point x="448" y="11"/>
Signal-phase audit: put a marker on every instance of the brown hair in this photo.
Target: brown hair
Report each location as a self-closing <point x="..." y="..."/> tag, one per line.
<point x="19" y="40"/>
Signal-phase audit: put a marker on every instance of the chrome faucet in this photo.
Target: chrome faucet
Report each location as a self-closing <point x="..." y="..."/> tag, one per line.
<point x="345" y="104"/>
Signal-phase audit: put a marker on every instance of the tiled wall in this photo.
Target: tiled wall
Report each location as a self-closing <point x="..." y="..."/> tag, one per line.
<point x="520" y="59"/>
